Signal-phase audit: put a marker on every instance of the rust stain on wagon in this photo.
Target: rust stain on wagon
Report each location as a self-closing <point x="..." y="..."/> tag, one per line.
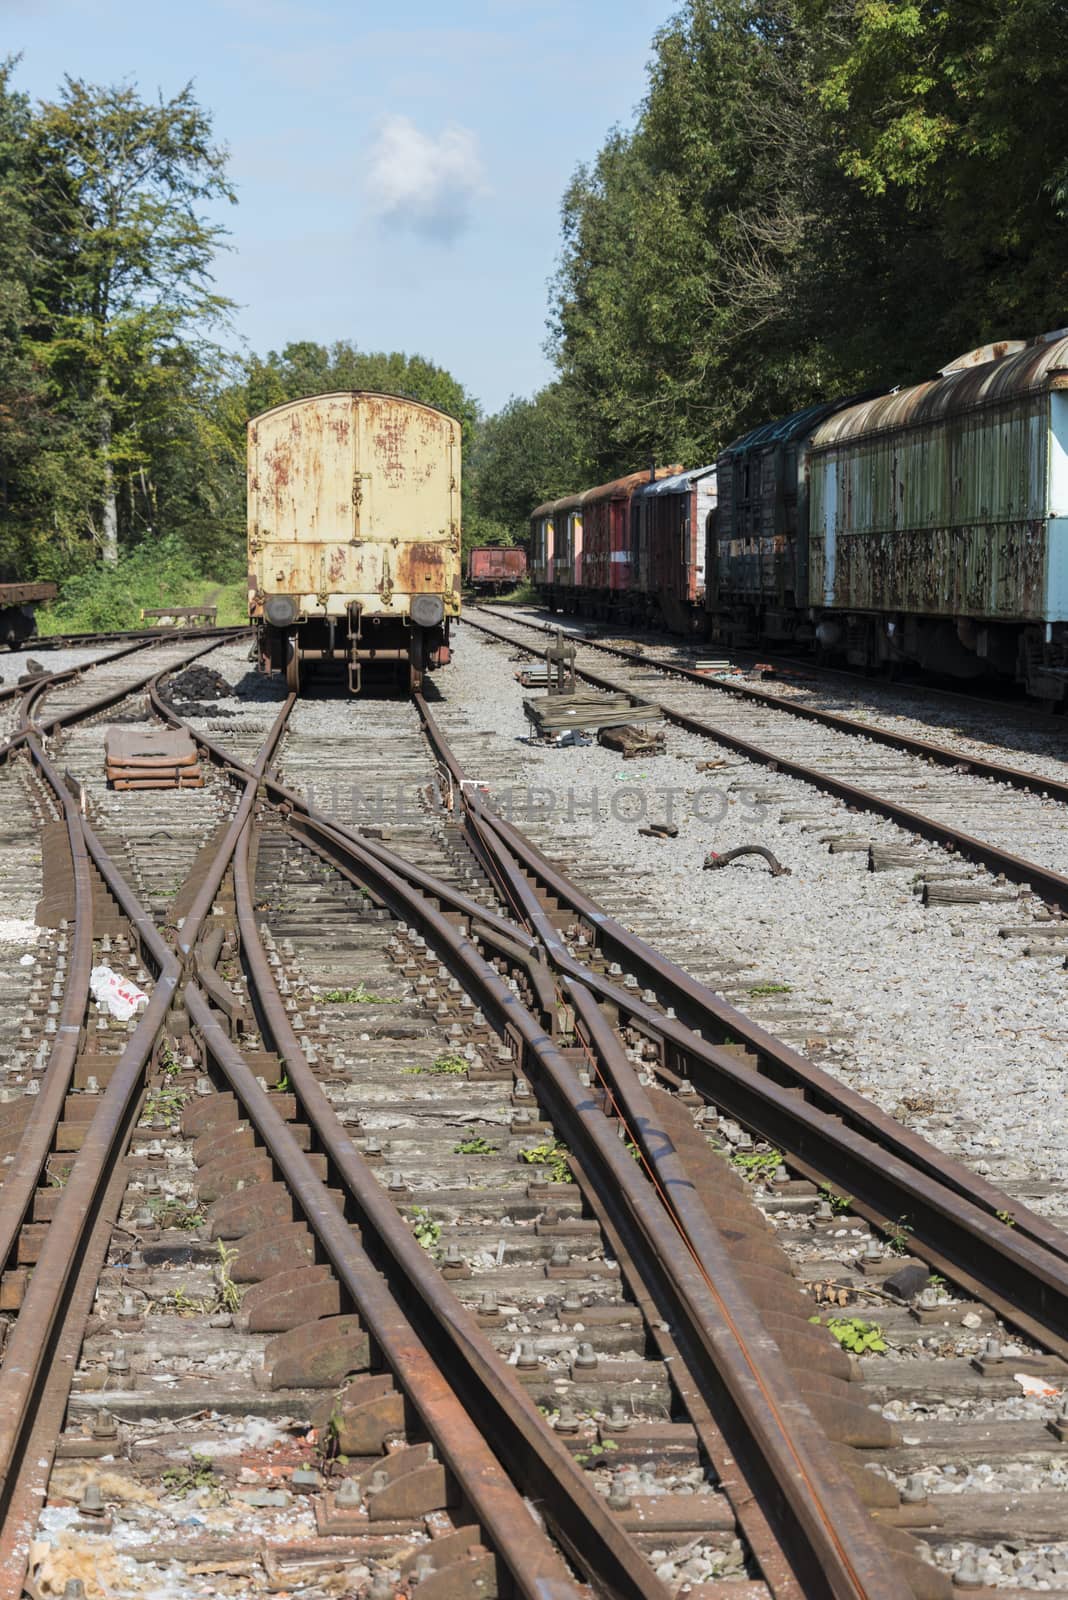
<point x="355" y="496"/>
<point x="421" y="568"/>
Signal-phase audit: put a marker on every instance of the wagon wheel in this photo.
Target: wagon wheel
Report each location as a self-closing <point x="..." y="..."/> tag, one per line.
<point x="294" y="674"/>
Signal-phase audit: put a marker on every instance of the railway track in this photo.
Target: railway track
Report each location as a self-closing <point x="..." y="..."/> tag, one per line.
<point x="423" y="1162"/>
<point x="1007" y="819"/>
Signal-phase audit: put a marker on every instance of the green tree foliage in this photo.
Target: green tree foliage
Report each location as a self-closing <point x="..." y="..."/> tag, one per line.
<point x="817" y="197"/>
<point x="122" y="421"/>
<point x="525" y="454"/>
<point x="308" y="368"/>
<point x="119" y="187"/>
<point x="957" y="109"/>
<point x="28" y="435"/>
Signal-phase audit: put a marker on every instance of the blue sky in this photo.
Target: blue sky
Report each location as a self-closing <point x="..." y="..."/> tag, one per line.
<point x="399" y="167"/>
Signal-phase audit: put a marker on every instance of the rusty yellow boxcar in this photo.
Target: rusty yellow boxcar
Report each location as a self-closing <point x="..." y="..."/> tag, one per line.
<point x="353" y="536"/>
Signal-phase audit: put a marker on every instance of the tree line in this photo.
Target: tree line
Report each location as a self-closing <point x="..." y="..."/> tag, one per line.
<point x="816" y="197"/>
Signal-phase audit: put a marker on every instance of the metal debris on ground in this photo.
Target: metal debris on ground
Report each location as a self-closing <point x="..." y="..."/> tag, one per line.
<point x="660" y="830"/>
<point x="149" y="758"/>
<point x="716" y="859"/>
<point x="631" y="741"/>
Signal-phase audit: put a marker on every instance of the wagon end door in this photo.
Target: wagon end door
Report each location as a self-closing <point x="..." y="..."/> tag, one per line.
<point x="300" y="496"/>
<point x="408" y="479"/>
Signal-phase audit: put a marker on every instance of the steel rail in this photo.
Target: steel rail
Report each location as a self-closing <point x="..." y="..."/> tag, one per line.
<point x="33" y="691"/>
<point x="73" y="641"/>
<point x="759" y="1434"/>
<point x="533" y="1455"/>
<point x="537" y="1458"/>
<point x="1009" y="1256"/>
<point x="990" y="1243"/>
<point x="23" y="1175"/>
<point x="1052" y="886"/>
<point x="895" y="739"/>
<point x="12" y="691"/>
<point x="41" y="1316"/>
<point x="26" y="1170"/>
<point x="823" y="1526"/>
<point x="42" y="1323"/>
<point x="537" y="1570"/>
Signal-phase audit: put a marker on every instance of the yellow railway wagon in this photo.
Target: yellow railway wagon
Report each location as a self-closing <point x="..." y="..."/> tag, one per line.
<point x="353" y="536"/>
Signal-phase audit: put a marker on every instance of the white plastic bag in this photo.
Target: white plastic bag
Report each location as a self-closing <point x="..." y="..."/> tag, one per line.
<point x="115" y="994"/>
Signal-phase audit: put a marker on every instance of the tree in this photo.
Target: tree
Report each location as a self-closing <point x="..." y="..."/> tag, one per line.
<point x="817" y="197"/>
<point x="527" y="453"/>
<point x="956" y="110"/>
<point x="21" y="393"/>
<point x="118" y="191"/>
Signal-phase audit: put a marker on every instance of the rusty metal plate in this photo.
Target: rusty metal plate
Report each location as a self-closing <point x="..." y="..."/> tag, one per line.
<point x="271" y="1250"/>
<point x="316" y="1355"/>
<point x="126" y="746"/>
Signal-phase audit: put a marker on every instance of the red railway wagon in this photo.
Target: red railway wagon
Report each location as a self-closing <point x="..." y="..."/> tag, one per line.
<point x="669" y="531"/>
<point x="609" y="572"/>
<point x="493" y="568"/>
<point x="591" y="566"/>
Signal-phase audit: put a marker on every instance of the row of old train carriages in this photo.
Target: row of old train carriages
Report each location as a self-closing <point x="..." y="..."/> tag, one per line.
<point x="924" y="526"/>
<point x="633" y="549"/>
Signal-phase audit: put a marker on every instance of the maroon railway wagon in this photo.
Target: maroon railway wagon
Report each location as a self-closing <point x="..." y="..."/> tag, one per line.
<point x="493" y="568"/>
<point x="584" y="559"/>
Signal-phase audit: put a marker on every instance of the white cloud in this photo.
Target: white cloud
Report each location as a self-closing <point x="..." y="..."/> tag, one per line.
<point x="425" y="183"/>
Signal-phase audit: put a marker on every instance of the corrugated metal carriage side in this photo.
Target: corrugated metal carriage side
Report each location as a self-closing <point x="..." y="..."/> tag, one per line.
<point x="939" y="521"/>
<point x="755" y="565"/>
<point x="353" y="536"/>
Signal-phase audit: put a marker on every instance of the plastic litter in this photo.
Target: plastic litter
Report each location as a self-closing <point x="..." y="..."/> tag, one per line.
<point x="1038" y="1387"/>
<point x="116" y="994"/>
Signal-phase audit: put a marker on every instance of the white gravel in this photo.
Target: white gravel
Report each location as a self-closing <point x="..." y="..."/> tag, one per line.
<point x="13" y="662"/>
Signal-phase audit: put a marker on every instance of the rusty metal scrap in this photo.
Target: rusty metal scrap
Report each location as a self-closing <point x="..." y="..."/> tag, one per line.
<point x="716" y="859"/>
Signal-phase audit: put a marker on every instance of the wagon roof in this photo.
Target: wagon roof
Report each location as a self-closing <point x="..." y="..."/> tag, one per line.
<point x="602" y="491"/>
<point x="678" y="483"/>
<point x="352" y="394"/>
<point x="965" y="385"/>
<point x="784" y="429"/>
